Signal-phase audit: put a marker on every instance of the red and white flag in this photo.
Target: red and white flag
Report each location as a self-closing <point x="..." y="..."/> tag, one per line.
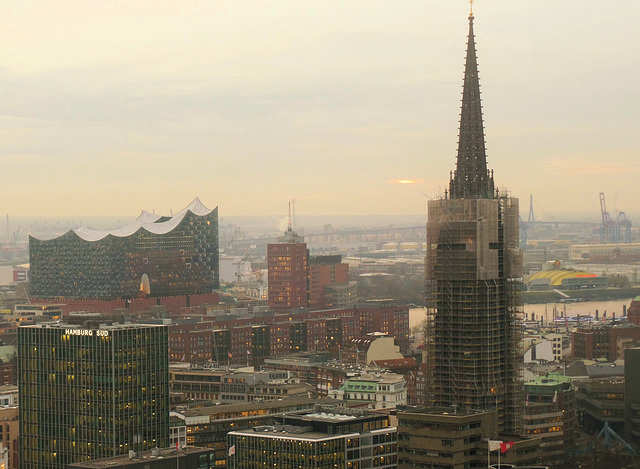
<point x="232" y="450"/>
<point x="504" y="447"/>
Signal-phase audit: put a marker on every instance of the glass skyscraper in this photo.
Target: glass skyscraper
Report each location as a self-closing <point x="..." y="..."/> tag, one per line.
<point x="90" y="393"/>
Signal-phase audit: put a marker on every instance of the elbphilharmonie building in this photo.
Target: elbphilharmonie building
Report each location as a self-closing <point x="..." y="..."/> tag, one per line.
<point x="155" y="256"/>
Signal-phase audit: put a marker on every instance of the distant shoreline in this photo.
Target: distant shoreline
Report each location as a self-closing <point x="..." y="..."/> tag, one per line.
<point x="591" y="294"/>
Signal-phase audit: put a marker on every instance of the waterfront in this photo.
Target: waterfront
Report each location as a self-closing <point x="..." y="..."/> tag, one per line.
<point x="545" y="310"/>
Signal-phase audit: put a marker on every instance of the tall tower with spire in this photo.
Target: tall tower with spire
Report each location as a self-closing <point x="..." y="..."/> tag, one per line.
<point x="473" y="276"/>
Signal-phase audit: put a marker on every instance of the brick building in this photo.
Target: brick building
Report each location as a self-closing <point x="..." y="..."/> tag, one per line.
<point x="288" y="272"/>
<point x="601" y="341"/>
<point x="251" y="340"/>
<point x="329" y="285"/>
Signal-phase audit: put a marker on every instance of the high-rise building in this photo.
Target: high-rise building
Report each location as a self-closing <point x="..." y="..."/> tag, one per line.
<point x="288" y="277"/>
<point x="155" y="256"/>
<point x="90" y="393"/>
<point x="473" y="276"/>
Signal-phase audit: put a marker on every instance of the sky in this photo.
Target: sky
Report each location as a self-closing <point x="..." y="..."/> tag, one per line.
<point x="110" y="107"/>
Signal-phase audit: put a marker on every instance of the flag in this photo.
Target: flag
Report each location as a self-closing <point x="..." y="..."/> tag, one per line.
<point x="248" y="352"/>
<point x="527" y="401"/>
<point x="555" y="396"/>
<point x="230" y="355"/>
<point x="184" y="357"/>
<point x="505" y="446"/>
<point x="232" y="450"/>
<point x="494" y="445"/>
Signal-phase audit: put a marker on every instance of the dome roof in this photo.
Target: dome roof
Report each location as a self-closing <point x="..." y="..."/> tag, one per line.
<point x="556" y="276"/>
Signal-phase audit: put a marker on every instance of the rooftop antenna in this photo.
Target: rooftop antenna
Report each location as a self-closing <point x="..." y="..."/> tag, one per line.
<point x="289" y="226"/>
<point x="471" y="8"/>
<point x="293" y="211"/>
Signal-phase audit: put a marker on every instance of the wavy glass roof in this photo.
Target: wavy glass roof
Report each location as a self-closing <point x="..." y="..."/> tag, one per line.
<point x="156" y="224"/>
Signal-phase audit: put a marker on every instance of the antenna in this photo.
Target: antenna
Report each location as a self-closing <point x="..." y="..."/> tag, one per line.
<point x="471" y="9"/>
<point x="293" y="210"/>
<point x="289" y="226"/>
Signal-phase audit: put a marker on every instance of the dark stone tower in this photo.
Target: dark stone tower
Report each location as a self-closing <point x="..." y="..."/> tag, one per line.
<point x="473" y="275"/>
<point x="471" y="179"/>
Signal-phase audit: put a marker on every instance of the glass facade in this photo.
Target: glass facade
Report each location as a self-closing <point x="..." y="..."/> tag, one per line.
<point x="91" y="393"/>
<point x="182" y="260"/>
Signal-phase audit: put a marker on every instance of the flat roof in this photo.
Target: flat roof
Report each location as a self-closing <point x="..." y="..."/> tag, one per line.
<point x="226" y="408"/>
<point x="292" y="435"/>
<point x="113" y="326"/>
<point x="447" y="411"/>
<point x="145" y="456"/>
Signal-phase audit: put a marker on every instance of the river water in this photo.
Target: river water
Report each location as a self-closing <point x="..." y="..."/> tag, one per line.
<point x="545" y="310"/>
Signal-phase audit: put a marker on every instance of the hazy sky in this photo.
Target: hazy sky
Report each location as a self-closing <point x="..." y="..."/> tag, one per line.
<point x="108" y="107"/>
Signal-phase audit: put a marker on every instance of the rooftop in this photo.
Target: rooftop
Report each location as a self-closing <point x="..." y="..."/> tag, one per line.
<point x="108" y="327"/>
<point x="124" y="460"/>
<point x="147" y="221"/>
<point x="290" y="432"/>
<point x="248" y="406"/>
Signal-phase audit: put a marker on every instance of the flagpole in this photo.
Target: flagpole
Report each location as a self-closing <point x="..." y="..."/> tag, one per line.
<point x="489" y="454"/>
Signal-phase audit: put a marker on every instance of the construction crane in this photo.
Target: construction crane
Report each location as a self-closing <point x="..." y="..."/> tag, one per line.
<point x="613" y="231"/>
<point x="624" y="227"/>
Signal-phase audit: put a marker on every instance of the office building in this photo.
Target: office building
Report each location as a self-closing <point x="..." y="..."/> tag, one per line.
<point x="551" y="414"/>
<point x="456" y="439"/>
<point x="319" y="440"/>
<point x="156" y="256"/>
<point x="209" y="426"/>
<point x="473" y="276"/>
<point x="601" y="401"/>
<point x="288" y="272"/>
<point x="90" y="393"/>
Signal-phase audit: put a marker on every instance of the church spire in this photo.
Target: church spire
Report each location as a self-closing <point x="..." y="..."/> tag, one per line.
<point x="471" y="179"/>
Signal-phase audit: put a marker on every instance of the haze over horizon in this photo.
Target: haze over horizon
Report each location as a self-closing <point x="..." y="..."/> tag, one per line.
<point x="110" y="107"/>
